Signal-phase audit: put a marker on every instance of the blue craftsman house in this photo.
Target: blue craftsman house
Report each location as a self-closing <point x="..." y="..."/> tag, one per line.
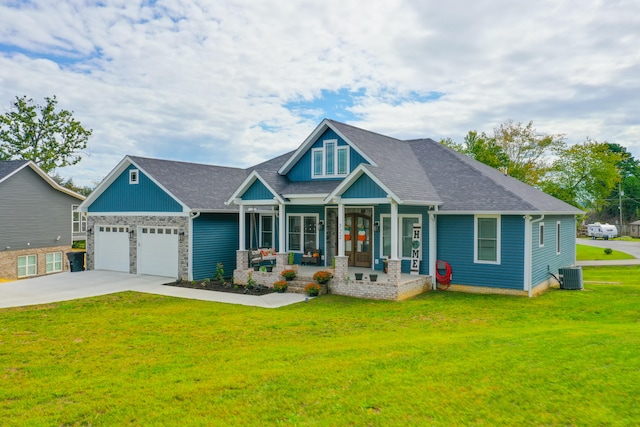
<point x="353" y="198"/>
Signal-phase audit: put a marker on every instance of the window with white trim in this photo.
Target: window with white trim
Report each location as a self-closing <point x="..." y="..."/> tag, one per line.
<point x="541" y="234"/>
<point x="27" y="265"/>
<point x="54" y="262"/>
<point x="266" y="231"/>
<point x="487" y="239"/>
<point x="558" y="234"/>
<point x="302" y="233"/>
<point x="78" y="220"/>
<point x="330" y="161"/>
<point x="133" y="176"/>
<point x="405" y="231"/>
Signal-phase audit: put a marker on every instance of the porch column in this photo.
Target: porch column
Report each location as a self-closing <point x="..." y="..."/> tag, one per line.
<point x="341" y="228"/>
<point x="241" y="231"/>
<point x="282" y="233"/>
<point x="394" y="230"/>
<point x="433" y="247"/>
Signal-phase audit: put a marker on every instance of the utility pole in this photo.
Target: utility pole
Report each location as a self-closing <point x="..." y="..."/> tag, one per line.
<point x="620" y="194"/>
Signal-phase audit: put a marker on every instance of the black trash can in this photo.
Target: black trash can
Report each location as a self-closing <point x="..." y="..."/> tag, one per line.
<point x="76" y="261"/>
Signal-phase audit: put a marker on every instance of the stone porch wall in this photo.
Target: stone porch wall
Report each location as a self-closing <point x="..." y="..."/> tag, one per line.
<point x="9" y="260"/>
<point x="383" y="290"/>
<point x="133" y="222"/>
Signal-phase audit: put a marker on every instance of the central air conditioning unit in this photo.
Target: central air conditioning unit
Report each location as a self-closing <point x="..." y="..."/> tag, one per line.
<point x="570" y="278"/>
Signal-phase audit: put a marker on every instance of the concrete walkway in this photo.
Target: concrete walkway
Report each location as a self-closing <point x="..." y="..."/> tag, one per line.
<point x="69" y="286"/>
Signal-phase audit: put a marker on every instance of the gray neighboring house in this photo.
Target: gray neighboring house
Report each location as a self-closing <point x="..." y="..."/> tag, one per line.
<point x="38" y="221"/>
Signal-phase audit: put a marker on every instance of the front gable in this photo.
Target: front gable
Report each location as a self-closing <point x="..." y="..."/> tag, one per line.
<point x="329" y="157"/>
<point x="133" y="191"/>
<point x="364" y="187"/>
<point x="257" y="191"/>
<point x="326" y="154"/>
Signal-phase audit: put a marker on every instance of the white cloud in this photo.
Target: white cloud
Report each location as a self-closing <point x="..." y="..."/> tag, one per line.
<point x="208" y="81"/>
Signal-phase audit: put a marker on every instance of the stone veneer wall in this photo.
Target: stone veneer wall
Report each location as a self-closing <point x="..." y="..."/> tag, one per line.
<point x="182" y="222"/>
<point x="9" y="260"/>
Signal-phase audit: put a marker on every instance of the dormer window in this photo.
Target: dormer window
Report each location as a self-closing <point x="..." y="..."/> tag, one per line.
<point x="330" y="161"/>
<point x="133" y="176"/>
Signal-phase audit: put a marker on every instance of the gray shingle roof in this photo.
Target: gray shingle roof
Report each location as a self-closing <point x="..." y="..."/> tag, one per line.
<point x="7" y="167"/>
<point x="422" y="171"/>
<point x="396" y="164"/>
<point x="200" y="187"/>
<point x="464" y="184"/>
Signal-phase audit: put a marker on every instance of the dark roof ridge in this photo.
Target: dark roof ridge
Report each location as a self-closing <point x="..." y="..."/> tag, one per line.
<point x="364" y="130"/>
<point x="155" y="159"/>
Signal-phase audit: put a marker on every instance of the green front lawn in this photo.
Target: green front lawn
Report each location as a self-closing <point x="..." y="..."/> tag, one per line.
<point x="592" y="253"/>
<point x="444" y="358"/>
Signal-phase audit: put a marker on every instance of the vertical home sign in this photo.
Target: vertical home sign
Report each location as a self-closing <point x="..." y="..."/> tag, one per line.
<point x="416" y="248"/>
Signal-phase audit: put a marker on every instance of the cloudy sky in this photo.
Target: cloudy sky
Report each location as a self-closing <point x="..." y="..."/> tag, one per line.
<point x="237" y="82"/>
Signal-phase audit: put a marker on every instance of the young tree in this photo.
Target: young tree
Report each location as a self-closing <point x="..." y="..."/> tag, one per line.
<point x="51" y="139"/>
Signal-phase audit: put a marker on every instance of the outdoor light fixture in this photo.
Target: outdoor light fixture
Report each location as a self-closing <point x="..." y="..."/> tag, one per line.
<point x="376" y="226"/>
<point x="321" y="223"/>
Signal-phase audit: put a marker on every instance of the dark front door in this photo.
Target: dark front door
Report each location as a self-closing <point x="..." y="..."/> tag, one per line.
<point x="357" y="245"/>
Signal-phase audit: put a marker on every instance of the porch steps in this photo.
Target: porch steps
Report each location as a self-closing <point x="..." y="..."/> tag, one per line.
<point x="297" y="285"/>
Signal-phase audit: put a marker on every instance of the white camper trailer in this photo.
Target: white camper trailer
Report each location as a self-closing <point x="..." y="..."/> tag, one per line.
<point x="602" y="231"/>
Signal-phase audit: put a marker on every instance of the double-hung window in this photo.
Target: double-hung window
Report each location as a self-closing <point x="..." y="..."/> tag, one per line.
<point x="405" y="229"/>
<point x="487" y="239"/>
<point x="302" y="233"/>
<point x="27" y="265"/>
<point x="54" y="262"/>
<point x="79" y="220"/>
<point x="541" y="234"/>
<point x="330" y="161"/>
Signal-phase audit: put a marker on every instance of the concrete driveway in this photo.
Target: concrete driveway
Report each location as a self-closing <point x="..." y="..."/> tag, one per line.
<point x="69" y="286"/>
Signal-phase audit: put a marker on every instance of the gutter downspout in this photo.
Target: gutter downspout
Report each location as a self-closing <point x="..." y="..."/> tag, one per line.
<point x="192" y="215"/>
<point x="528" y="251"/>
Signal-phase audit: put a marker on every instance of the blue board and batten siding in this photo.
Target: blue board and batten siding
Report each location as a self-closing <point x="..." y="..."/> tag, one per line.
<point x="302" y="169"/>
<point x="145" y="196"/>
<point x="456" y="246"/>
<point x="257" y="191"/>
<point x="364" y="187"/>
<point x="546" y="259"/>
<point x="215" y="239"/>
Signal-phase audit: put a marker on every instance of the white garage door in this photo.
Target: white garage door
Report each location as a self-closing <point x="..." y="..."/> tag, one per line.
<point x="158" y="251"/>
<point x="112" y="248"/>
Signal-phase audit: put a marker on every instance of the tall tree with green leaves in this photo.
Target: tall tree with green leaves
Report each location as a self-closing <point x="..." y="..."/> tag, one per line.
<point x="50" y="138"/>
<point x="584" y="174"/>
<point x="482" y="148"/>
<point x="629" y="168"/>
<point x="529" y="151"/>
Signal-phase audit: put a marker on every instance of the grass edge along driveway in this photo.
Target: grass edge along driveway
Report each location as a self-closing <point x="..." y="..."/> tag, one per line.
<point x="563" y="358"/>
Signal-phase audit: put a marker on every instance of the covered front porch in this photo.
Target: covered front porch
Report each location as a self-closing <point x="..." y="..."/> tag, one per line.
<point x="359" y="282"/>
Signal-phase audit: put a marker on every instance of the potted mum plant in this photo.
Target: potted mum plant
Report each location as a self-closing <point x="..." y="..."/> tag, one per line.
<point x="322" y="277"/>
<point x="288" y="274"/>
<point x="280" y="286"/>
<point x="312" y="289"/>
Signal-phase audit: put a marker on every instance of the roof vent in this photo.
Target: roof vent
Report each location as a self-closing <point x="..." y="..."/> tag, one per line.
<point x="570" y="278"/>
